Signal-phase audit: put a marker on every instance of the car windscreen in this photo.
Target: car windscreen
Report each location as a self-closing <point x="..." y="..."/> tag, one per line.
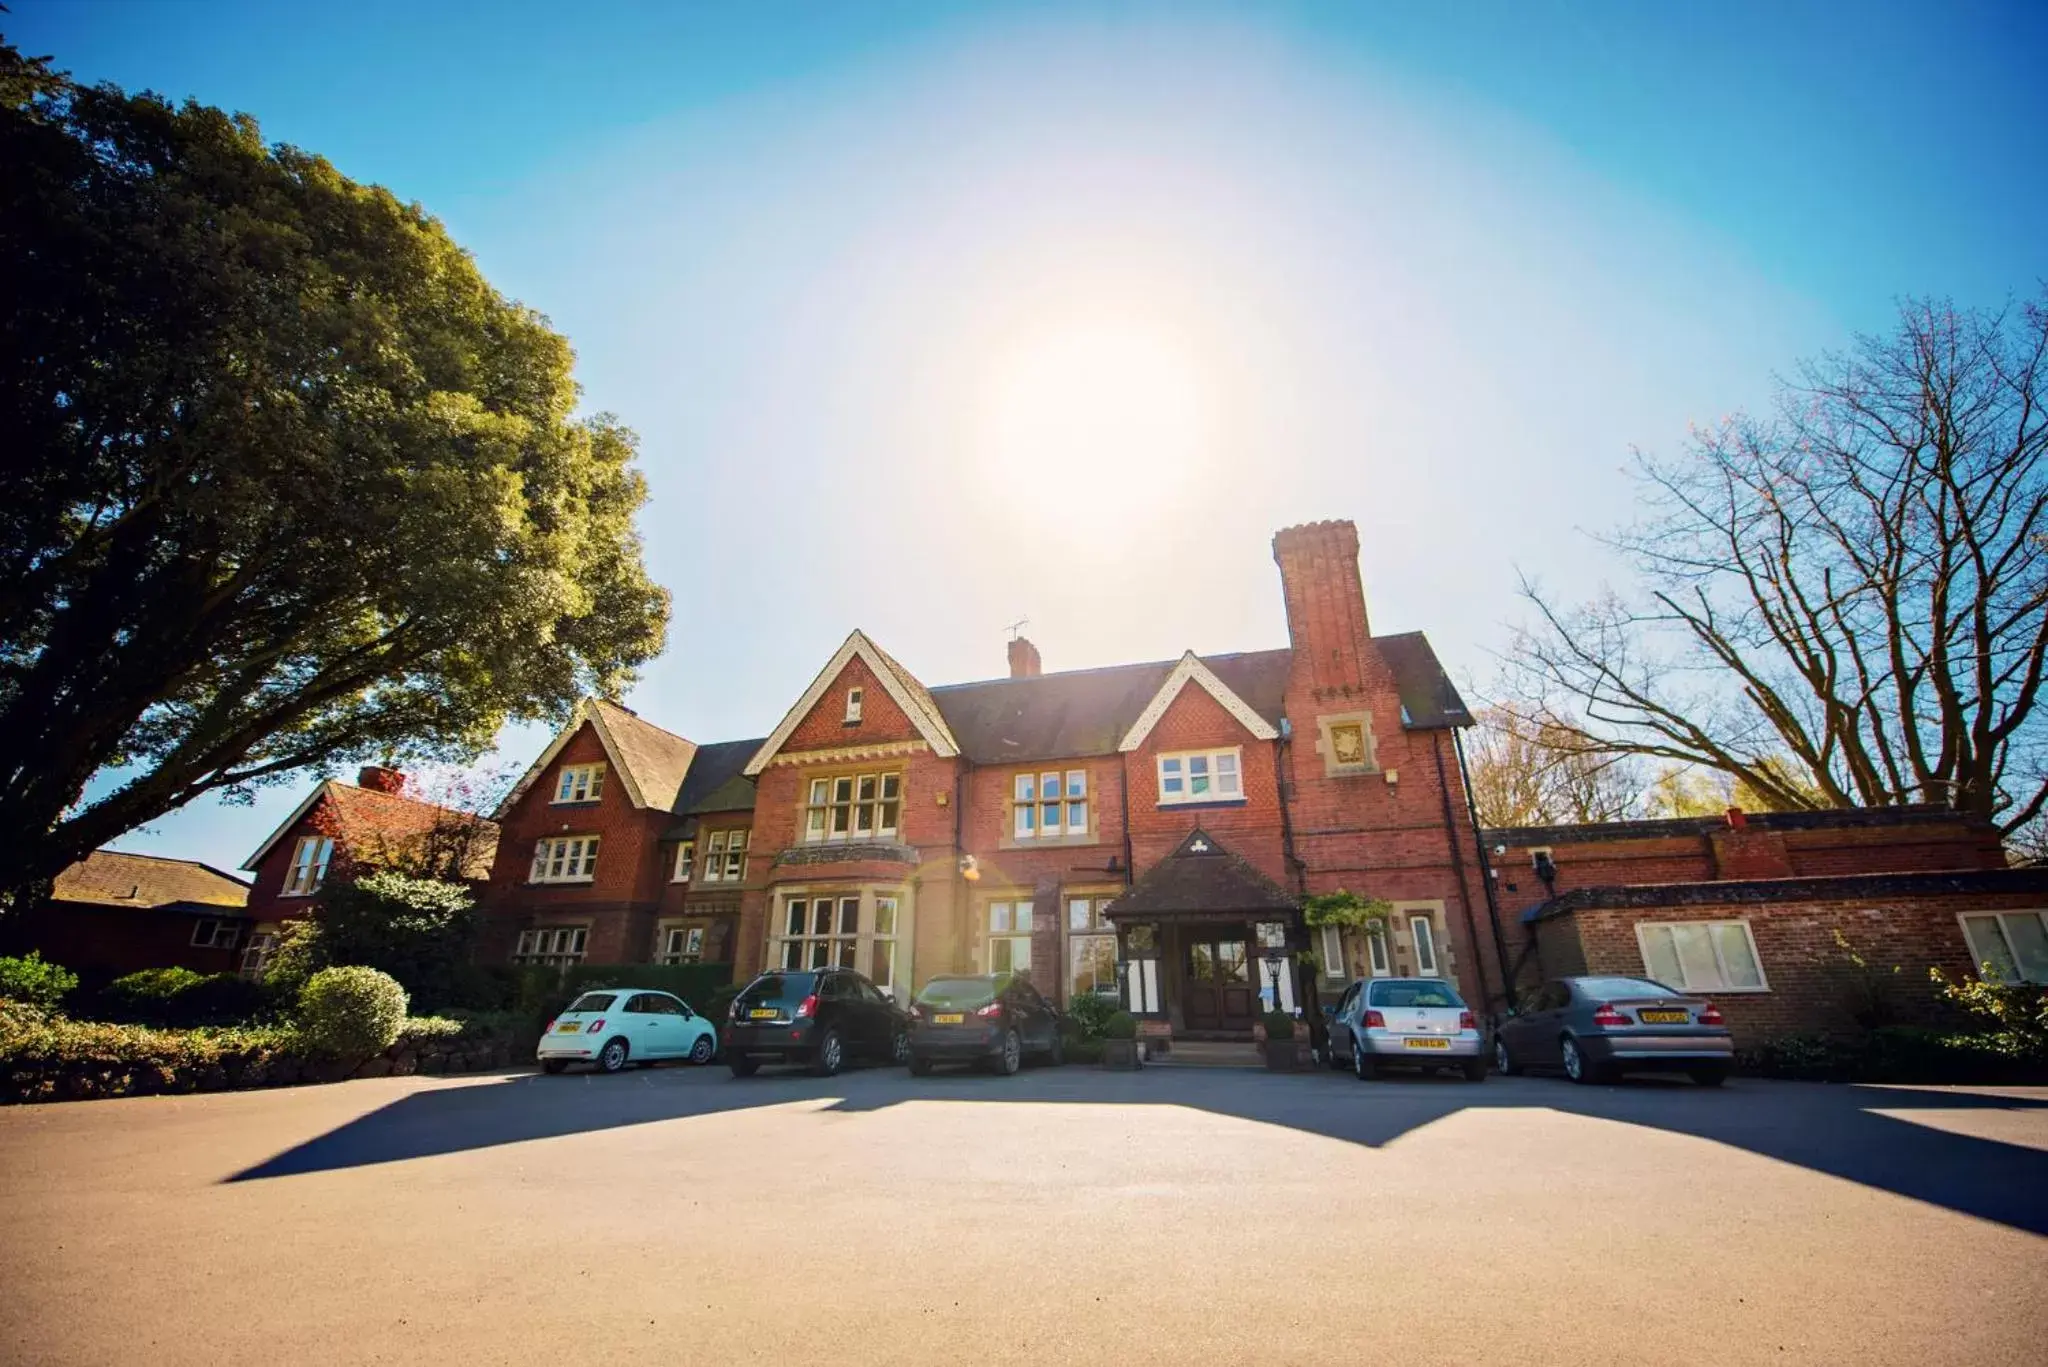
<point x="1414" y="992"/>
<point x="592" y="1001"/>
<point x="779" y="987"/>
<point x="958" y="992"/>
<point x="1605" y="988"/>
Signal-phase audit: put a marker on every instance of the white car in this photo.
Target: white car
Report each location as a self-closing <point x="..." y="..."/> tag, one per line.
<point x="1411" y="1022"/>
<point x="614" y="1026"/>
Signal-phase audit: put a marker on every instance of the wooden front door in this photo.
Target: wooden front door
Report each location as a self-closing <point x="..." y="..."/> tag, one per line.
<point x="1218" y="990"/>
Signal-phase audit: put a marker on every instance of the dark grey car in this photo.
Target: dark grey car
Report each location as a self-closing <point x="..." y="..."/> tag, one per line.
<point x="1596" y="1028"/>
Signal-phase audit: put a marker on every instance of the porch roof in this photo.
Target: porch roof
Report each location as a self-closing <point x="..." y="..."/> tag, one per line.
<point x="1200" y="879"/>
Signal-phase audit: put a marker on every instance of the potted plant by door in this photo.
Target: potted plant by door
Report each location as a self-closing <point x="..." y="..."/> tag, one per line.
<point x="1283" y="1052"/>
<point x="1120" y="1042"/>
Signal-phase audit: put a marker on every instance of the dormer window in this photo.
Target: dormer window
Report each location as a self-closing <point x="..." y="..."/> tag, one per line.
<point x="580" y="783"/>
<point x="853" y="706"/>
<point x="1200" y="776"/>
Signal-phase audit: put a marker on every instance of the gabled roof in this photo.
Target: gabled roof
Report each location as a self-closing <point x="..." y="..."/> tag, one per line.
<point x="902" y="687"/>
<point x="1190" y="670"/>
<point x="1087" y="711"/>
<point x="715" y="783"/>
<point x="1200" y="878"/>
<point x="650" y="762"/>
<point x="364" y="817"/>
<point x="112" y="878"/>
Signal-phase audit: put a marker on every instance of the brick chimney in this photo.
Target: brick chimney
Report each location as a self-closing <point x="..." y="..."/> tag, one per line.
<point x="378" y="779"/>
<point x="1325" y="598"/>
<point x="1024" y="659"/>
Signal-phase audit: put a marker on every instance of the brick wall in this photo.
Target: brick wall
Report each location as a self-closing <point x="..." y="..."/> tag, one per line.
<point x="1804" y="968"/>
<point x="825" y="725"/>
<point x="1249" y="829"/>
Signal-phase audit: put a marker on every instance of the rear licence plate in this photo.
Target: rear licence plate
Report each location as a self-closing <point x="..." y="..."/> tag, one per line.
<point x="1664" y="1017"/>
<point x="948" y="1018"/>
<point x="567" y="1028"/>
<point x="1429" y="1044"/>
<point x="762" y="1013"/>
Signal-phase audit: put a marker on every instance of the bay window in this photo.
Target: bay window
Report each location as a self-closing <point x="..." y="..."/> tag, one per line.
<point x="840" y="929"/>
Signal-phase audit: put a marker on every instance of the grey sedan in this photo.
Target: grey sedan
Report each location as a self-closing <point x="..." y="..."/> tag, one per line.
<point x="1595" y="1029"/>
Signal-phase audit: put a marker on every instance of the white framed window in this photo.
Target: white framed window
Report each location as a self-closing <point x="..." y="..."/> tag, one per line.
<point x="1376" y="951"/>
<point x="257" y="954"/>
<point x="853" y="701"/>
<point x="565" y="859"/>
<point x="1045" y="806"/>
<point x="725" y="856"/>
<point x="212" y="934"/>
<point x="580" y="783"/>
<point x="551" y="946"/>
<point x="1200" y="776"/>
<point x="1422" y="931"/>
<point x="1333" y="952"/>
<point x="2007" y="946"/>
<point x="853" y="807"/>
<point x="1701" y="956"/>
<point x="680" y="945"/>
<point x="820" y="931"/>
<point x="1009" y="937"/>
<point x="882" y="949"/>
<point x="1091" y="948"/>
<point x="686" y="859"/>
<point x="309" y="866"/>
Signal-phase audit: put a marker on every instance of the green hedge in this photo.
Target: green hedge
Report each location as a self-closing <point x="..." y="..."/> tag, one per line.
<point x="34" y="982"/>
<point x="1901" y="1053"/>
<point x="178" y="998"/>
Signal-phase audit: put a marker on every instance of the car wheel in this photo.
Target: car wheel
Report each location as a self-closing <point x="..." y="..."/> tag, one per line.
<point x="741" y="1065"/>
<point x="831" y="1055"/>
<point x="612" y="1057"/>
<point x="1012" y="1057"/>
<point x="1577" y="1066"/>
<point x="920" y="1067"/>
<point x="899" y="1048"/>
<point x="553" y="1065"/>
<point x="1503" y="1061"/>
<point x="1475" y="1070"/>
<point x="702" y="1050"/>
<point x="1362" y="1065"/>
<point x="1710" y="1077"/>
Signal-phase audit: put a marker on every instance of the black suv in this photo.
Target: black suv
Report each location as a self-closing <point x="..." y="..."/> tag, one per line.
<point x="990" y="1019"/>
<point x="825" y="1017"/>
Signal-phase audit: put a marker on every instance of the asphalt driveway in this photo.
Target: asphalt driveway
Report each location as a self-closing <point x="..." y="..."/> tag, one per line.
<point x="1173" y="1216"/>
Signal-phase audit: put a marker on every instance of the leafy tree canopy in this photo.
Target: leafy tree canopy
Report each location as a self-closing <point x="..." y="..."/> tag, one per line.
<point x="288" y="484"/>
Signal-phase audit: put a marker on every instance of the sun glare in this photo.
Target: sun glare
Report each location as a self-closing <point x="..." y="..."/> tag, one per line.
<point x="1090" y="419"/>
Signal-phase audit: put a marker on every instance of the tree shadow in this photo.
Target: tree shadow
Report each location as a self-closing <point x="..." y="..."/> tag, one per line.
<point x="1841" y="1131"/>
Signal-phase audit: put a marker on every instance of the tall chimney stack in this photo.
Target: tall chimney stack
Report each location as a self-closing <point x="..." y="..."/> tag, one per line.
<point x="1024" y="659"/>
<point x="1326" y="622"/>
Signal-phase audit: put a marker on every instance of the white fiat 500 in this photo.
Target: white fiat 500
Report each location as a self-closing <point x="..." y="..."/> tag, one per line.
<point x="614" y="1026"/>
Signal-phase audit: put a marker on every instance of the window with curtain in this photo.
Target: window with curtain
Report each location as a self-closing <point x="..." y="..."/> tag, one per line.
<point x="1701" y="956"/>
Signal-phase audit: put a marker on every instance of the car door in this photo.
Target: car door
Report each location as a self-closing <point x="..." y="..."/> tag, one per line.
<point x="882" y="1007"/>
<point x="1341" y="1040"/>
<point x="1041" y="1023"/>
<point x="671" y="1020"/>
<point x="852" y="1014"/>
<point x="638" y="1021"/>
<point x="1535" y="1042"/>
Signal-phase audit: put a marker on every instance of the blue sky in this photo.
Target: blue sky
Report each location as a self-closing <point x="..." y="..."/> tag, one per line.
<point x="936" y="317"/>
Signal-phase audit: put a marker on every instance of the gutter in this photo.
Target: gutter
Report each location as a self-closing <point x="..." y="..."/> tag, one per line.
<point x="1443" y="785"/>
<point x="1500" y="942"/>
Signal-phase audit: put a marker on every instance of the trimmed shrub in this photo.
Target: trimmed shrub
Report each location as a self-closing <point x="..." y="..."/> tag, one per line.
<point x="33" y="982"/>
<point x="1122" y="1025"/>
<point x="351" y="1012"/>
<point x="1087" y="1014"/>
<point x="1279" y="1025"/>
<point x="178" y="998"/>
<point x="418" y="930"/>
<point x="45" y="1057"/>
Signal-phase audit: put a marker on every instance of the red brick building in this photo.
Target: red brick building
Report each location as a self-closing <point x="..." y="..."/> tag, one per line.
<point x="344" y="829"/>
<point x="1748" y="908"/>
<point x="112" y="913"/>
<point x="1015" y="822"/>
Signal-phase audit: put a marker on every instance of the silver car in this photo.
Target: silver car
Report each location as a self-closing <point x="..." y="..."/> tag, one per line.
<point x="1595" y="1029"/>
<point x="1411" y="1022"/>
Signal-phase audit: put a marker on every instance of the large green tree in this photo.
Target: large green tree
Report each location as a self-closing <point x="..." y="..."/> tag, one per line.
<point x="286" y="482"/>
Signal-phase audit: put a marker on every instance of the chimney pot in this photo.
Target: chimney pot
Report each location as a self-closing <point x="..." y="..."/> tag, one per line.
<point x="1024" y="663"/>
<point x="1737" y="819"/>
<point x="379" y="779"/>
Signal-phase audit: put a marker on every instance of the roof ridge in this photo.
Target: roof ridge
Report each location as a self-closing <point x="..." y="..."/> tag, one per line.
<point x="1105" y="669"/>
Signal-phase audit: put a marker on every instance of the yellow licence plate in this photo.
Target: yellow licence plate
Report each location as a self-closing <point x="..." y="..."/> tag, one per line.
<point x="567" y="1028"/>
<point x="1429" y="1044"/>
<point x="1664" y="1017"/>
<point x="949" y="1018"/>
<point x="762" y="1013"/>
